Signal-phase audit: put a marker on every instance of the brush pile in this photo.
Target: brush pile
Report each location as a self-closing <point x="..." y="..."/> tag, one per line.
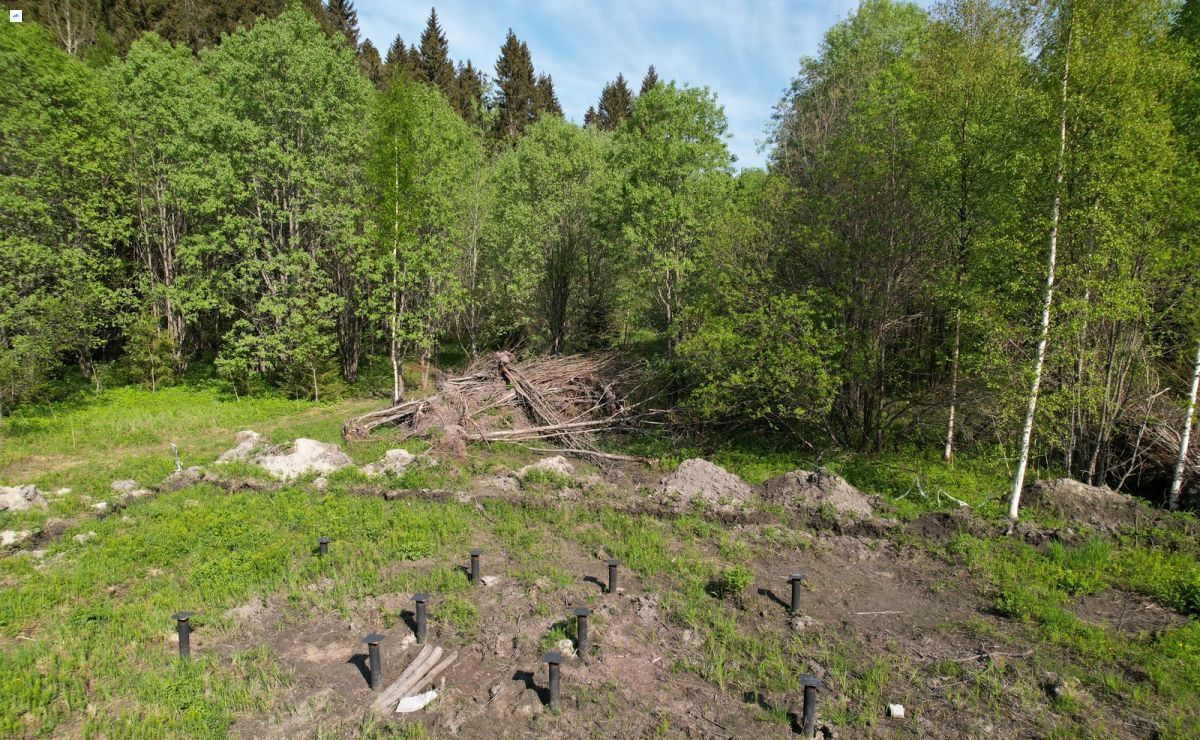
<point x="561" y="400"/>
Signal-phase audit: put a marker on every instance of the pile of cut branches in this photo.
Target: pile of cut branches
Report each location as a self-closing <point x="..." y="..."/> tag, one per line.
<point x="563" y="400"/>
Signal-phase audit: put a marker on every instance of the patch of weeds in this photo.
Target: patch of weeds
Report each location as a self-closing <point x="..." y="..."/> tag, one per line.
<point x="732" y="548"/>
<point x="732" y="583"/>
<point x="457" y="613"/>
<point x="563" y="630"/>
<point x="545" y="479"/>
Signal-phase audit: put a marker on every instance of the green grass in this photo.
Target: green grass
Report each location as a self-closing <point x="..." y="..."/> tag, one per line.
<point x="89" y="624"/>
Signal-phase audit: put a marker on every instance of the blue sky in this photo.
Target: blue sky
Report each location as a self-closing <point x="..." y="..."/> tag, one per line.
<point x="747" y="52"/>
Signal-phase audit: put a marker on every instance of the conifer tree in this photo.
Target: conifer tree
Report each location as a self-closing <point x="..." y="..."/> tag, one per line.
<point x="516" y="89"/>
<point x="436" y="67"/>
<point x="467" y="93"/>
<point x="370" y="63"/>
<point x="616" y="103"/>
<point x="544" y="99"/>
<point x="344" y="19"/>
<point x="650" y="80"/>
<point x="589" y="118"/>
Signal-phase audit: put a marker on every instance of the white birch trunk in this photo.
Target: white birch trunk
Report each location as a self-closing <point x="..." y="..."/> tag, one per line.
<point x="1186" y="438"/>
<point x="1014" y="501"/>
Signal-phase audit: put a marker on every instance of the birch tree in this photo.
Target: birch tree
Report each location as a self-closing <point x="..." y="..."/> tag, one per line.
<point x="1014" y="501"/>
<point x="422" y="159"/>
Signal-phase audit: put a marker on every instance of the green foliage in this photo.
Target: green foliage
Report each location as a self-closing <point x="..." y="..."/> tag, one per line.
<point x="300" y="108"/>
<point x="62" y="212"/>
<point x="733" y="582"/>
<point x="767" y="363"/>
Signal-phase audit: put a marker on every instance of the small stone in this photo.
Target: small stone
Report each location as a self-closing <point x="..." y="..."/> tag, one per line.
<point x="494" y="691"/>
<point x="181" y="479"/>
<point x="100" y="506"/>
<point x="489" y="580"/>
<point x="124" y="486"/>
<point x="803" y="622"/>
<point x="83" y="537"/>
<point x="565" y="647"/>
<point x="62" y="491"/>
<point x="896" y="711"/>
<point x="689" y="637"/>
<point x="320" y="483"/>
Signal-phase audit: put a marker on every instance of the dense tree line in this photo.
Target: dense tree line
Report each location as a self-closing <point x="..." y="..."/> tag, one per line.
<point x="977" y="226"/>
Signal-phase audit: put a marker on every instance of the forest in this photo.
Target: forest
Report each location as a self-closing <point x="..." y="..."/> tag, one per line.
<point x="976" y="232"/>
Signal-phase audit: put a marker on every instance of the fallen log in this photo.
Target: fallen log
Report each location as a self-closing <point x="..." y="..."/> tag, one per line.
<point x="394" y="693"/>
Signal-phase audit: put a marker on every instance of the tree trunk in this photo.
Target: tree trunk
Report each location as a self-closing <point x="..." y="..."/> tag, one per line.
<point x="1186" y="438"/>
<point x="1014" y="502"/>
<point x="948" y="453"/>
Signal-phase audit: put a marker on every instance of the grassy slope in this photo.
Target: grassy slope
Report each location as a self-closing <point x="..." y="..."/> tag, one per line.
<point x="85" y="634"/>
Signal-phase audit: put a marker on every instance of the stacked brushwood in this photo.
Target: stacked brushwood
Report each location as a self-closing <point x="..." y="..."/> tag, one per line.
<point x="565" y="400"/>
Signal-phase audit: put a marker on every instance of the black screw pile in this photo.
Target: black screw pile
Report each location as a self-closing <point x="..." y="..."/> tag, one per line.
<point x="797" y="580"/>
<point x="554" y="659"/>
<point x="612" y="575"/>
<point x="809" y="723"/>
<point x="323" y="546"/>
<point x="475" y="553"/>
<point x="184" y="629"/>
<point x="422" y="621"/>
<point x="376" y="660"/>
<point x="581" y="629"/>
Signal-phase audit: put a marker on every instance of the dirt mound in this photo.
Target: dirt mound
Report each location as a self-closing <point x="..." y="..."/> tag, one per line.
<point x="305" y="456"/>
<point x="943" y="526"/>
<point x="814" y="489"/>
<point x="19" y="498"/>
<point x="394" y="462"/>
<point x="558" y="465"/>
<point x="1102" y="509"/>
<point x="698" y="480"/>
<point x="246" y="444"/>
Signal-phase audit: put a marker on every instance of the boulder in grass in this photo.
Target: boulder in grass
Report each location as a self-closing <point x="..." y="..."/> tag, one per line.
<point x="10" y="537"/>
<point x="305" y="456"/>
<point x="20" y="498"/>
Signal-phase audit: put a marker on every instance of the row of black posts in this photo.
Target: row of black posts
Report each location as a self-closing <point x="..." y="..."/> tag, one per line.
<point x="552" y="659"/>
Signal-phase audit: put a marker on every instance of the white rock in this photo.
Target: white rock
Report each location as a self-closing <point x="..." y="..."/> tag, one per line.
<point x="320" y="483"/>
<point x="83" y="537"/>
<point x="565" y="647"/>
<point x="557" y="464"/>
<point x="11" y="537"/>
<point x="489" y="580"/>
<point x="305" y="456"/>
<point x="124" y="486"/>
<point x="416" y="703"/>
<point x="19" y="498"/>
<point x="100" y="506"/>
<point x="896" y="711"/>
<point x="62" y="491"/>
<point x="247" y="442"/>
<point x="394" y="462"/>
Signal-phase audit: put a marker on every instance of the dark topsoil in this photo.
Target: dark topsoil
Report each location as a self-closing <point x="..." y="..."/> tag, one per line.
<point x="869" y="590"/>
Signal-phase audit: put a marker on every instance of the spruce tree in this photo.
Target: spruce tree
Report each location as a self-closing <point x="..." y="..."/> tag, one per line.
<point x="516" y="89"/>
<point x="649" y="81"/>
<point x="370" y="63"/>
<point x="544" y="99"/>
<point x="344" y="19"/>
<point x="616" y="104"/>
<point x="467" y="93"/>
<point x="435" y="64"/>
<point x="589" y="118"/>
